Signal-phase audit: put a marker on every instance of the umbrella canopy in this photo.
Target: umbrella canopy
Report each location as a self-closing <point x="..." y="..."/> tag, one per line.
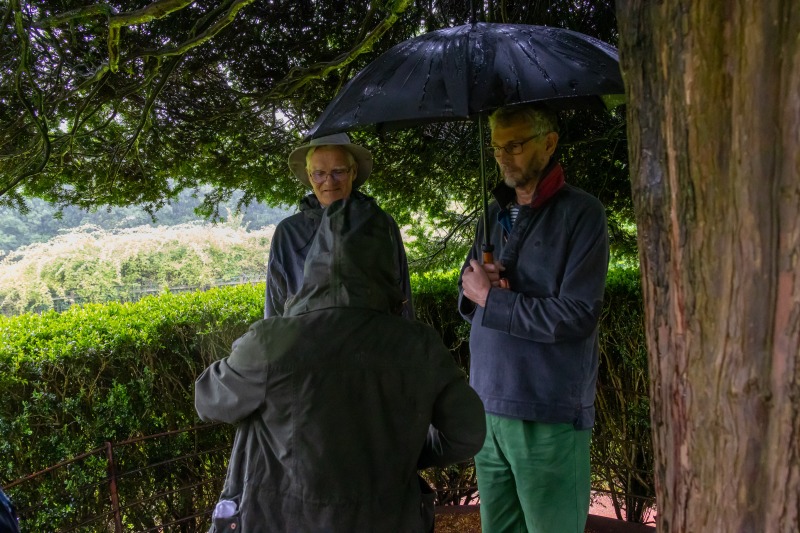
<point x="464" y="72"/>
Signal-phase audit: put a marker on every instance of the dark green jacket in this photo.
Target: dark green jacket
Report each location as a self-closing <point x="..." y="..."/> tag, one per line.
<point x="291" y="243"/>
<point x="334" y="401"/>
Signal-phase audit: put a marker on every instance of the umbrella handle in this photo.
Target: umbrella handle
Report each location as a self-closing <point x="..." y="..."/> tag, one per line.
<point x="488" y="259"/>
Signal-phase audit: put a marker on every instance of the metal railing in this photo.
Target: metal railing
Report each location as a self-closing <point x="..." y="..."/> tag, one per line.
<point x="164" y="482"/>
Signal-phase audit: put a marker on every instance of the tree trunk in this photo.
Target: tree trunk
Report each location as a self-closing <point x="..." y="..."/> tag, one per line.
<point x="714" y="136"/>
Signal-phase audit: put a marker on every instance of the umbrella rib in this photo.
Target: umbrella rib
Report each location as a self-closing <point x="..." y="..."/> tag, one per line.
<point x="461" y="72"/>
<point x="534" y="59"/>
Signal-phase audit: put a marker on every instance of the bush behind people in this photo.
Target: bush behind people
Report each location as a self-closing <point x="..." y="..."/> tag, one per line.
<point x="109" y="372"/>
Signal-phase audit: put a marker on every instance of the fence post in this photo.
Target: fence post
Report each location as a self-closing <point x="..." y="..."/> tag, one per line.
<point x="112" y="478"/>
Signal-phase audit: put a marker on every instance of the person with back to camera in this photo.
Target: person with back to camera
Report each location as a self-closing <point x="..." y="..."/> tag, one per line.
<point x="334" y="168"/>
<point x="339" y="402"/>
<point x="533" y="341"/>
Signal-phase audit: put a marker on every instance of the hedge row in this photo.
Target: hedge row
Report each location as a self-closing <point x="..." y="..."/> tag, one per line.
<point x="110" y="372"/>
<point x="101" y="372"/>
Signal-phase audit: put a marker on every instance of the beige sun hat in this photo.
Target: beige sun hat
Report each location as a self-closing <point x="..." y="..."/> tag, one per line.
<point x="363" y="157"/>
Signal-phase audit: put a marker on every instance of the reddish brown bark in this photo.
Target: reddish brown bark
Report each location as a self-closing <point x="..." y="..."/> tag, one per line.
<point x="714" y="135"/>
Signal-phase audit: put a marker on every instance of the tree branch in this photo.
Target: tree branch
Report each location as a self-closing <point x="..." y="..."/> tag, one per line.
<point x="299" y="77"/>
<point x="7" y="13"/>
<point x="209" y="33"/>
<point x="40" y="124"/>
<point x="78" y="121"/>
<point x="82" y="13"/>
<point x="156" y="10"/>
<point x="441" y="244"/>
<point x="151" y="98"/>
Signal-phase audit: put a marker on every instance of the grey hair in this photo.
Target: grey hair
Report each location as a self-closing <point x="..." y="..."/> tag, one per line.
<point x="541" y="119"/>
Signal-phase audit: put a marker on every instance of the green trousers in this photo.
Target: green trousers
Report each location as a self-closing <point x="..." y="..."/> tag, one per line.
<point x="533" y="477"/>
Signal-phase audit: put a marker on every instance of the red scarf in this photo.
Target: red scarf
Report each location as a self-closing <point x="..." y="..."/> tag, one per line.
<point x="548" y="186"/>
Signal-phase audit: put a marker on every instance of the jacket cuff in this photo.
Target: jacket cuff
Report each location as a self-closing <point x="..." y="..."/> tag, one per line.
<point x="466" y="307"/>
<point x="498" y="310"/>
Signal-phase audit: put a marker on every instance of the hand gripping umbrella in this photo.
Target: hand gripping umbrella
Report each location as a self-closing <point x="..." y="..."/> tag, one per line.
<point x="462" y="73"/>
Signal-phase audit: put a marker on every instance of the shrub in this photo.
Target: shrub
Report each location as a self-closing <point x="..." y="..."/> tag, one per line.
<point x="110" y="372"/>
<point x="73" y="380"/>
<point x="622" y="453"/>
<point x="436" y="303"/>
<point x="90" y="265"/>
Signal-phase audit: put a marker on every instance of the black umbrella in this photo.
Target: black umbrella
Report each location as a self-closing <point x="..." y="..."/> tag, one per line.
<point x="464" y="72"/>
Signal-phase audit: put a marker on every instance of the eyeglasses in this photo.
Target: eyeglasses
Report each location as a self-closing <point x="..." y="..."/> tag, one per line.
<point x="512" y="148"/>
<point x="338" y="174"/>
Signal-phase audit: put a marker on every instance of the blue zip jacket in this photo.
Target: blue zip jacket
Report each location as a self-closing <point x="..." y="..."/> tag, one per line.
<point x="534" y="347"/>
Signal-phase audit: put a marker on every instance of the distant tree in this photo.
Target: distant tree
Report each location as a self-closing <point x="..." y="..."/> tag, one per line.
<point x="43" y="221"/>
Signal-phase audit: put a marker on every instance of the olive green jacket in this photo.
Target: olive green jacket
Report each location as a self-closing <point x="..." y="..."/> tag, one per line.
<point x="340" y="402"/>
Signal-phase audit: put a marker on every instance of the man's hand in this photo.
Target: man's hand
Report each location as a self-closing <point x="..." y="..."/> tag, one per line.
<point x="493" y="270"/>
<point x="477" y="279"/>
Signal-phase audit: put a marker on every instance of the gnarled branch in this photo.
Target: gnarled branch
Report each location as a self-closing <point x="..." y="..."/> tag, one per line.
<point x="299" y="77"/>
<point x="207" y="34"/>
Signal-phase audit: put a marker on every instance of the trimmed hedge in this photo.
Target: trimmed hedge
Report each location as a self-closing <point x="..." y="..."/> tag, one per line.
<point x="107" y="372"/>
<point x="110" y="372"/>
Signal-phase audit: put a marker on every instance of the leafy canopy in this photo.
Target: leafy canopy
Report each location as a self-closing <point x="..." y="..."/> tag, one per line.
<point x="131" y="102"/>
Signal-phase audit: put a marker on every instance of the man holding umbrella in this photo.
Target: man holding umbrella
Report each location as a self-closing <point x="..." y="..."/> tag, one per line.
<point x="334" y="168"/>
<point x="533" y="341"/>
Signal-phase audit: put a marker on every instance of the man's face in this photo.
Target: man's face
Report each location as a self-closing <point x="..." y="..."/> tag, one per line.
<point x="522" y="170"/>
<point x="328" y="160"/>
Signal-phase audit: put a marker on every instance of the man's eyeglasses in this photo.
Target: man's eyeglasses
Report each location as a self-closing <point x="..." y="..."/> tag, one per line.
<point x="338" y="174"/>
<point x="512" y="148"/>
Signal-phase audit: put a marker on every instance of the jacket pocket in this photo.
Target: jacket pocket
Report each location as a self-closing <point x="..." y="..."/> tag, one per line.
<point x="226" y="525"/>
<point x="226" y="517"/>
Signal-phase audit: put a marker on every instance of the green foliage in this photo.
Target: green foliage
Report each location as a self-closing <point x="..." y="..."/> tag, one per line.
<point x="111" y="372"/>
<point x="76" y="133"/>
<point x="91" y="265"/>
<point x="622" y="453"/>
<point x="106" y="372"/>
<point x="166" y="119"/>
<point x="72" y="381"/>
<point x="436" y="303"/>
<point x="593" y="149"/>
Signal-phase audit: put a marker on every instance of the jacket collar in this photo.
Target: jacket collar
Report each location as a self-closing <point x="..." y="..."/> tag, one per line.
<point x="310" y="206"/>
